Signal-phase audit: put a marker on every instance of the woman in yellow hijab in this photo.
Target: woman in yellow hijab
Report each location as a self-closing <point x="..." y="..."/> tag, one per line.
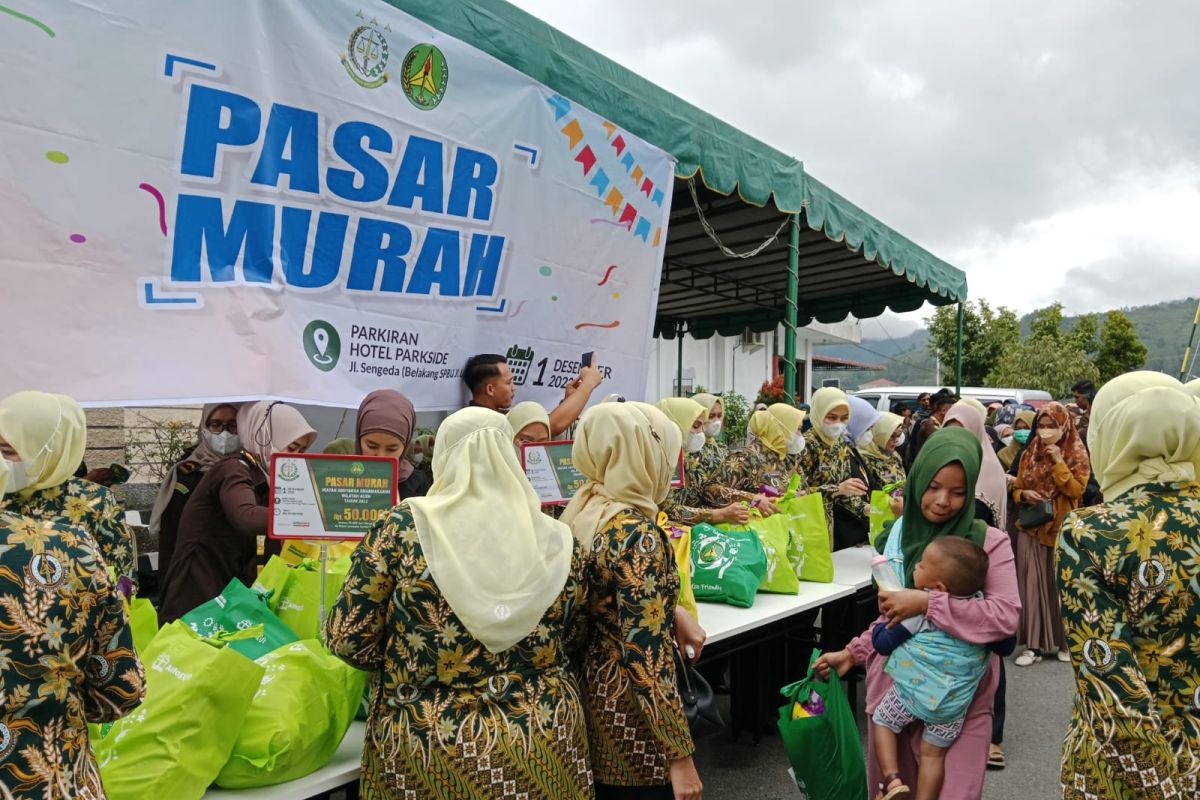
<point x="764" y="468"/>
<point x="833" y="467"/>
<point x="880" y="451"/>
<point x="44" y="436"/>
<point x="628" y="451"/>
<point x="689" y="504"/>
<point x="490" y="595"/>
<point x="1126" y="571"/>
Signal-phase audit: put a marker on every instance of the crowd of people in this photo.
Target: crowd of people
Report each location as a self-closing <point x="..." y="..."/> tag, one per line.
<point x="513" y="650"/>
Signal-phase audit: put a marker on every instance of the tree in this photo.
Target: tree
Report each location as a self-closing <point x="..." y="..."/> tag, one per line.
<point x="737" y="418"/>
<point x="1121" y="349"/>
<point x="1043" y="362"/>
<point x="987" y="335"/>
<point x="1084" y="333"/>
<point x="1046" y="323"/>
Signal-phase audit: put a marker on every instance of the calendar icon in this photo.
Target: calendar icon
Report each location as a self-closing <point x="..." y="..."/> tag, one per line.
<point x="519" y="361"/>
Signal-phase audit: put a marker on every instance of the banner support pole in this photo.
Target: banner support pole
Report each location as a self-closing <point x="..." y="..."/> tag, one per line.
<point x="789" y="326"/>
<point x="679" y="359"/>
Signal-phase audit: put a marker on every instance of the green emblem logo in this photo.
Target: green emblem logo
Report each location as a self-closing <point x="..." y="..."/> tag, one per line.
<point x="424" y="76"/>
<point x="322" y="344"/>
<point x="366" y="55"/>
<point x="357" y="468"/>
<point x="289" y="471"/>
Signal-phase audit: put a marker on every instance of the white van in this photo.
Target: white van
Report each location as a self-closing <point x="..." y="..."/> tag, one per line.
<point x="884" y="398"/>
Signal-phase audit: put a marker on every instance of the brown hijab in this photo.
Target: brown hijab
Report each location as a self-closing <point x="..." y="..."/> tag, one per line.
<point x="1036" y="466"/>
<point x="387" y="411"/>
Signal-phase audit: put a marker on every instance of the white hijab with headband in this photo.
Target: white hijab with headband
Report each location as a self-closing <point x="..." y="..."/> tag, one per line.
<point x="203" y="457"/>
<point x="500" y="589"/>
<point x="268" y="427"/>
<point x="49" y="433"/>
<point x="628" y="453"/>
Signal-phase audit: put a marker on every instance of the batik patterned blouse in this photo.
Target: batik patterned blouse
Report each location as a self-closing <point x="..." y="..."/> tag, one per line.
<point x="887" y="468"/>
<point x="825" y="466"/>
<point x="89" y="507"/>
<point x="689" y="504"/>
<point x="636" y="723"/>
<point x="745" y="471"/>
<point x="448" y="718"/>
<point x="66" y="659"/>
<point x="1126" y="575"/>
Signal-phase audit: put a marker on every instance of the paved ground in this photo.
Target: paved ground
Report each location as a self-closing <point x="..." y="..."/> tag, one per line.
<point x="1039" y="706"/>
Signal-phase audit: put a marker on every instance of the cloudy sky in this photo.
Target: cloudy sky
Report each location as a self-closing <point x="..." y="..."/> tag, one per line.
<point x="1051" y="150"/>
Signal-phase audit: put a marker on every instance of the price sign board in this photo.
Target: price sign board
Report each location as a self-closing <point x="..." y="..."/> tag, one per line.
<point x="551" y="470"/>
<point x="329" y="497"/>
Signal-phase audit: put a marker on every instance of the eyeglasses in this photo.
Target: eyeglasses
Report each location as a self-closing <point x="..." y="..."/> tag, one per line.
<point x="217" y="426"/>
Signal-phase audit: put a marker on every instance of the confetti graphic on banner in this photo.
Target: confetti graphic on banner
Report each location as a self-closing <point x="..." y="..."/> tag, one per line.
<point x="162" y="205"/>
<point x="620" y="204"/>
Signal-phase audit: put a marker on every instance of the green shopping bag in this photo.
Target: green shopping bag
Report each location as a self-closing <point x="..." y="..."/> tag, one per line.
<point x="143" y="623"/>
<point x="881" y="514"/>
<point x="727" y="566"/>
<point x="824" y="750"/>
<point x="197" y="693"/>
<point x="299" y="602"/>
<point x="237" y="608"/>
<point x="810" y="549"/>
<point x="272" y="580"/>
<point x="775" y="533"/>
<point x="297" y="719"/>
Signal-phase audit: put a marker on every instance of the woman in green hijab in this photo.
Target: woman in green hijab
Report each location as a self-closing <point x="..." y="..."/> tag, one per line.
<point x="939" y="501"/>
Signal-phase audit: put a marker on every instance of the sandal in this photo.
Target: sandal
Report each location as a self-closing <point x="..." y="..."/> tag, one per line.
<point x="888" y="791"/>
<point x="1028" y="658"/>
<point x="996" y="758"/>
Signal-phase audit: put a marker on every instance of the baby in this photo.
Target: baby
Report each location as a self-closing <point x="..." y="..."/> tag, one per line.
<point x="934" y="674"/>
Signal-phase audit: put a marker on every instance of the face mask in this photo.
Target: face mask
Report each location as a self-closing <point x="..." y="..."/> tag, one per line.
<point x="1007" y="440"/>
<point x="865" y="439"/>
<point x="713" y="429"/>
<point x="1050" y="435"/>
<point x="796" y="445"/>
<point x="695" y="442"/>
<point x="834" y="430"/>
<point x="1022" y="437"/>
<point x="900" y="440"/>
<point x="418" y="458"/>
<point x="222" y="443"/>
<point x="18" y="477"/>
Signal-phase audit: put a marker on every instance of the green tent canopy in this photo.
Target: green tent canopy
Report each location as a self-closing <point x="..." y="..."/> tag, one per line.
<point x="846" y="261"/>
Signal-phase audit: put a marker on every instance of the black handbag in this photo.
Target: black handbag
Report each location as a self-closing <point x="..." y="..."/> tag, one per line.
<point x="1035" y="515"/>
<point x="699" y="702"/>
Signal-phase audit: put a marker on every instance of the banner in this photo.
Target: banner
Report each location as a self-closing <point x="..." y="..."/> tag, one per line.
<point x="550" y="467"/>
<point x="335" y="497"/>
<point x="225" y="200"/>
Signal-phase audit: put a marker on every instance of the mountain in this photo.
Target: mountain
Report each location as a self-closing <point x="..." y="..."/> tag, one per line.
<point x="1163" y="327"/>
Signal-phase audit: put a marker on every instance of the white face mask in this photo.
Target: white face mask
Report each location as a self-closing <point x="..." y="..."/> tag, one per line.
<point x="865" y="439"/>
<point x="713" y="428"/>
<point x="834" y="430"/>
<point x="796" y="445"/>
<point x="1007" y="440"/>
<point x="18" y="477"/>
<point x="695" y="442"/>
<point x="223" y="443"/>
<point x="900" y="440"/>
<point x="417" y="458"/>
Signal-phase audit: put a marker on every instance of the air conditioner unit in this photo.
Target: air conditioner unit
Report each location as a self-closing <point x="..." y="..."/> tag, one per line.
<point x="751" y="341"/>
<point x="831" y="383"/>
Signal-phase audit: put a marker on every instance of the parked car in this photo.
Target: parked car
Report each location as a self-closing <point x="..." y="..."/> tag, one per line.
<point x="885" y="399"/>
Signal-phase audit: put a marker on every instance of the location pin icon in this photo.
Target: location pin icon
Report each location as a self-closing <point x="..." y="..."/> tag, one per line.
<point x="321" y="340"/>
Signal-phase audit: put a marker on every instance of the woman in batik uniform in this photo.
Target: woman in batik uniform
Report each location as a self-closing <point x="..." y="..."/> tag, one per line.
<point x="688" y="504"/>
<point x="887" y="434"/>
<point x="66" y="657"/>
<point x="832" y="466"/>
<point x="468" y="636"/>
<point x="1126" y="573"/>
<point x="45" y="435"/>
<point x="640" y="742"/>
<point x="770" y="461"/>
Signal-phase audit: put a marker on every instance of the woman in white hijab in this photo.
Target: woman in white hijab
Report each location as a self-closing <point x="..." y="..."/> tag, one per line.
<point x="628" y="452"/>
<point x="219" y="530"/>
<point x="466" y="606"/>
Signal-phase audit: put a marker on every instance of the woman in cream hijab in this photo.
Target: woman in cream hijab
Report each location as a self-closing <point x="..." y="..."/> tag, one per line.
<point x="228" y="512"/>
<point x="628" y="451"/>
<point x="688" y="504"/>
<point x="44" y="436"/>
<point x="491" y="596"/>
<point x="764" y="468"/>
<point x="1126" y="571"/>
<point x="530" y="423"/>
<point x="832" y="466"/>
<point x="879" y="451"/>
